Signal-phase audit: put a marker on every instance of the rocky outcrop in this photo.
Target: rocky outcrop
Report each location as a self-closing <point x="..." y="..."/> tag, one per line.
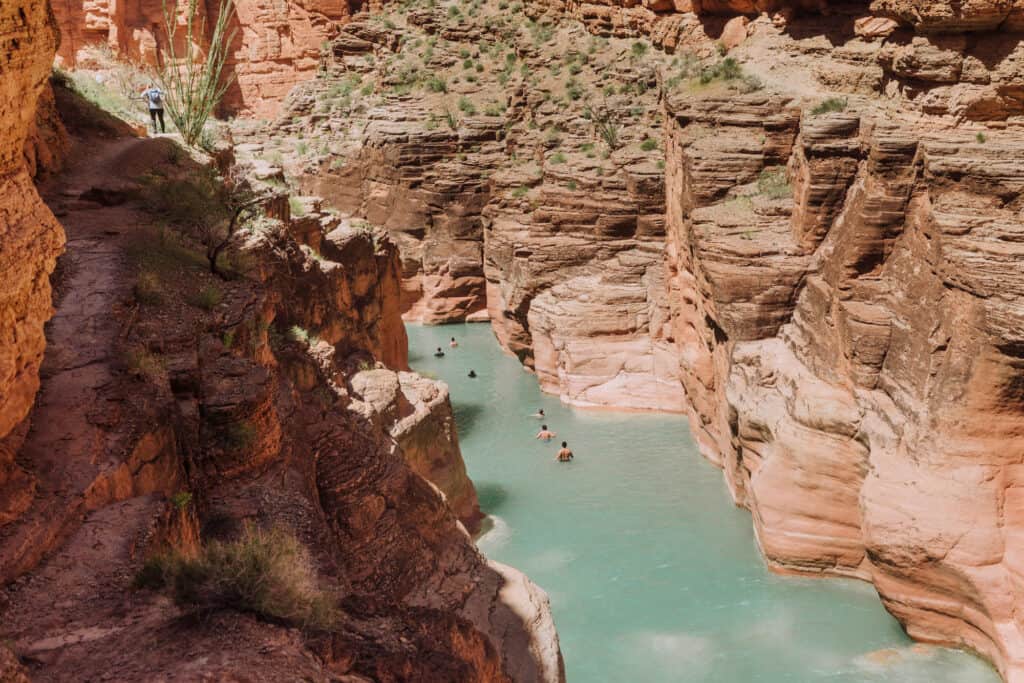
<point x="30" y="239"/>
<point x="841" y="335"/>
<point x="417" y="413"/>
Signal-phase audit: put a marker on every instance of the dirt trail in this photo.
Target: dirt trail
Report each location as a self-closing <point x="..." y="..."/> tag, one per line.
<point x="78" y="441"/>
<point x="70" y="441"/>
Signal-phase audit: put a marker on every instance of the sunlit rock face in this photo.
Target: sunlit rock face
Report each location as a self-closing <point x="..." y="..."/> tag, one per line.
<point x="849" y="348"/>
<point x="274" y="46"/>
<point x="30" y="238"/>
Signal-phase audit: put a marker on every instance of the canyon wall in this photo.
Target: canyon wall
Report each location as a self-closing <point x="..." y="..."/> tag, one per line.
<point x="844" y="289"/>
<point x="499" y="195"/>
<point x="30" y="239"/>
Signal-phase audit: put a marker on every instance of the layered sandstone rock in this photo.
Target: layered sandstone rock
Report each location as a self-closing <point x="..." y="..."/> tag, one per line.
<point x="840" y="341"/>
<point x="417" y="412"/>
<point x="30" y="239"/>
<point x="501" y="192"/>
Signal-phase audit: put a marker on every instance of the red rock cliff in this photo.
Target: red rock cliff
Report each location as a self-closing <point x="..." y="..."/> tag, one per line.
<point x="849" y="345"/>
<point x="30" y="237"/>
<point x="277" y="44"/>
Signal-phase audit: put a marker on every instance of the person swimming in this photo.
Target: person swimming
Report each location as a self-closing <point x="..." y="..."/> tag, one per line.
<point x="545" y="434"/>
<point x="439" y="353"/>
<point x="472" y="373"/>
<point x="539" y="414"/>
<point x="453" y="343"/>
<point x="564" y="455"/>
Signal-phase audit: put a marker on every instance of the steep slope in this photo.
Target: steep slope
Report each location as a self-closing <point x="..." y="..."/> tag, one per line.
<point x="178" y="407"/>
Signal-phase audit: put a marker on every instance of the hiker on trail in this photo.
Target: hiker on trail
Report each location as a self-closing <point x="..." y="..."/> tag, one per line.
<point x="564" y="455"/>
<point x="453" y="343"/>
<point x="154" y="96"/>
<point x="545" y="434"/>
<point x="439" y="353"/>
<point x="539" y="414"/>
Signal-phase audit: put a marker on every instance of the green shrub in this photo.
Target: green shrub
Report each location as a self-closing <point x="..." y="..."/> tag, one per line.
<point x="520" y="191"/>
<point x="296" y="207"/>
<point x="147" y="289"/>
<point x="726" y="70"/>
<point x="142" y="363"/>
<point x="466" y="106"/>
<point x="980" y="137"/>
<point x="267" y="573"/>
<point x="573" y="89"/>
<point x="832" y="104"/>
<point x="436" y="84"/>
<point x="773" y="183"/>
<point x="207" y="298"/>
<point x="557" y="158"/>
<point x="181" y="499"/>
<point x="638" y="49"/>
<point x="649" y="145"/>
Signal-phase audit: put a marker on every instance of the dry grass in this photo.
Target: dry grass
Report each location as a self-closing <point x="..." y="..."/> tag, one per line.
<point x="267" y="573"/>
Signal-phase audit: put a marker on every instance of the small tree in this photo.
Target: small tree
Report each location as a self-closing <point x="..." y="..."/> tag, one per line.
<point x="240" y="203"/>
<point x="192" y="82"/>
<point x="210" y="207"/>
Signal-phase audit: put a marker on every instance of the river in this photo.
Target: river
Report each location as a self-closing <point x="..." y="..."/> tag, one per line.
<point x="653" y="573"/>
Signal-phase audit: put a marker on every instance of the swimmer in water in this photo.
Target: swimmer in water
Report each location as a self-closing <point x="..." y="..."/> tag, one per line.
<point x="564" y="455"/>
<point x="539" y="414"/>
<point x="545" y="434"/>
<point x="453" y="343"/>
<point x="439" y="353"/>
<point x="472" y="373"/>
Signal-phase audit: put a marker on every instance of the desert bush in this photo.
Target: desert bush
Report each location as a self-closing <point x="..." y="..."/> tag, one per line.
<point x="832" y="104"/>
<point x="207" y="298"/>
<point x="726" y="70"/>
<point x="649" y="145"/>
<point x="773" y="183"/>
<point x="466" y="106"/>
<point x="436" y="84"/>
<point x="142" y="363"/>
<point x="557" y="158"/>
<point x="605" y="126"/>
<point x="192" y="80"/>
<point x="181" y="499"/>
<point x="267" y="573"/>
<point x="148" y="289"/>
<point x="980" y="137"/>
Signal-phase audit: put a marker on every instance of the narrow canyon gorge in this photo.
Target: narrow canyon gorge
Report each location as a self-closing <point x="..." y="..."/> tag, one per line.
<point x="799" y="224"/>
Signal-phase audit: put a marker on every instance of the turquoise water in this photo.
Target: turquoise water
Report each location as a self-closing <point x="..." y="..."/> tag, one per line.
<point x="653" y="574"/>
